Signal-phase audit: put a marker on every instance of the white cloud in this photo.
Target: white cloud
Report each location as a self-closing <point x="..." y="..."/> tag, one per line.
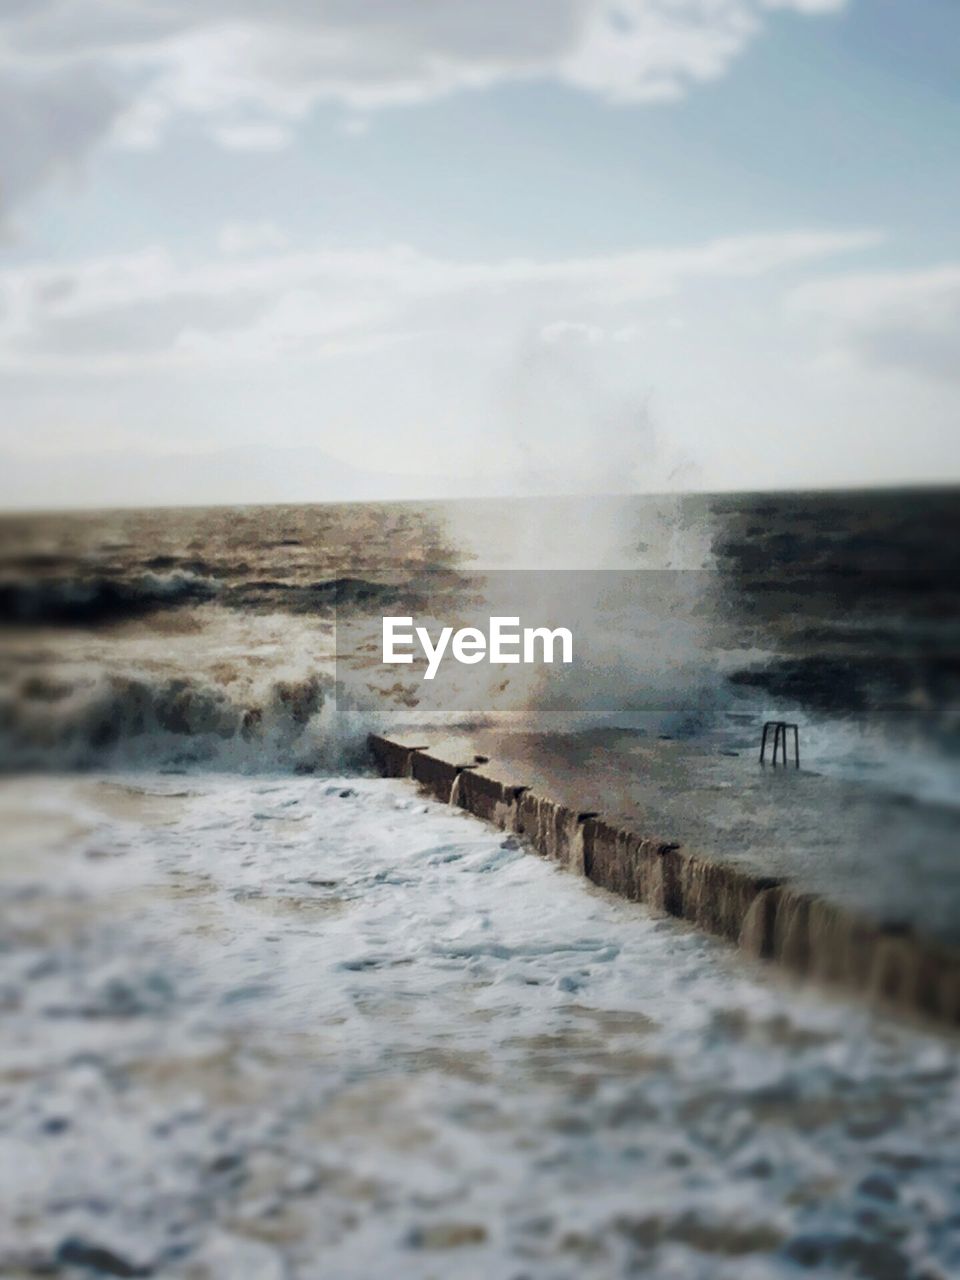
<point x="261" y="135"/>
<point x="893" y="319"/>
<point x="806" y="6"/>
<point x="250" y="303"/>
<point x="413" y="362"/>
<point x="571" y="331"/>
<point x="251" y="237"/>
<point x="248" y="71"/>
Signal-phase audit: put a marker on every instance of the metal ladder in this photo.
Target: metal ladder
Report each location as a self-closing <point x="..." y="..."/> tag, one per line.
<point x="780" y="728"/>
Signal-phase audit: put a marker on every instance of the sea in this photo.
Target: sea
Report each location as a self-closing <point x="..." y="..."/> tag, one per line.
<point x="268" y="1015"/>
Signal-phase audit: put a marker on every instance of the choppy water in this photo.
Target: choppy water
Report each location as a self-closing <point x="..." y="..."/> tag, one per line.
<point x="265" y="1020"/>
<point x="320" y="1028"/>
<point x="213" y="635"/>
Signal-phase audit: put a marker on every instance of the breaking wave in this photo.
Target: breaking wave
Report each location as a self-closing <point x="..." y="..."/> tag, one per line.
<point x="117" y="721"/>
<point x="86" y="601"/>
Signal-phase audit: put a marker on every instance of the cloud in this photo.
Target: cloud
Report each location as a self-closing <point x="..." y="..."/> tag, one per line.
<point x="50" y="122"/>
<point x="257" y="136"/>
<point x="564" y="331"/>
<point x="391" y="354"/>
<point x="251" y="237"/>
<point x="247" y="72"/>
<point x="417" y="362"/>
<point x="889" y="320"/>
<point x="251" y="304"/>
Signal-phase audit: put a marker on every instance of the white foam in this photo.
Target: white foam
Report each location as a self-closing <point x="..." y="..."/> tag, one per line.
<point x="322" y="1027"/>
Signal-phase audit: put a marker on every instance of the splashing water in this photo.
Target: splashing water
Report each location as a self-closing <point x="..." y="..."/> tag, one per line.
<point x="320" y="1027"/>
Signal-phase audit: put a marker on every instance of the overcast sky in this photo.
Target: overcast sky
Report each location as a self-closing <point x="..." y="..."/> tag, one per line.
<point x="336" y="248"/>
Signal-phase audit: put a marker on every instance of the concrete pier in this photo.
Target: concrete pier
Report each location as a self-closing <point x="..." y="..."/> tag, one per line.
<point x="834" y="880"/>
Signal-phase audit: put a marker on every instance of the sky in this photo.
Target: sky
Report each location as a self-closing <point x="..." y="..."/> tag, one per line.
<point x="335" y="249"/>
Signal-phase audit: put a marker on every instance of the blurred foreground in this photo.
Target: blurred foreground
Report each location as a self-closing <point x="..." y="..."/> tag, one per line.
<point x="314" y="1028"/>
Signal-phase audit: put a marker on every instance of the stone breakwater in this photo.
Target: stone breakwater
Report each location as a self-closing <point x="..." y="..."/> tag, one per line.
<point x="772" y="917"/>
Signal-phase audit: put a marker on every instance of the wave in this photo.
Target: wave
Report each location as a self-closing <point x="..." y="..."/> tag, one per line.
<point x="87" y="601"/>
<point x="114" y="721"/>
<point x="326" y="596"/>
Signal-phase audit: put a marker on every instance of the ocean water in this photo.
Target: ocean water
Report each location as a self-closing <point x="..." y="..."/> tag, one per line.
<point x="217" y="635"/>
<point x="268" y="1016"/>
<point x="322" y="1029"/>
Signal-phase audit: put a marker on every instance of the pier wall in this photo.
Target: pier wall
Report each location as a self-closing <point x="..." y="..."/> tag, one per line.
<point x="767" y="916"/>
